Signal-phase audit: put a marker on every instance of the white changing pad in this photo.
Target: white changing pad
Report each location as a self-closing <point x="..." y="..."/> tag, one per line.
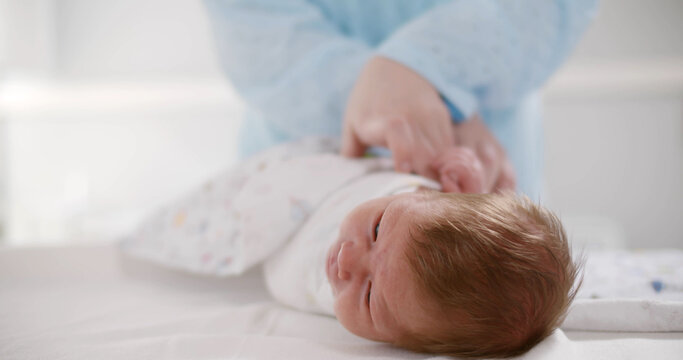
<point x="89" y="302"/>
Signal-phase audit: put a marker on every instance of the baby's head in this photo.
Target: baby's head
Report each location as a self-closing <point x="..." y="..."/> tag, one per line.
<point x="466" y="275"/>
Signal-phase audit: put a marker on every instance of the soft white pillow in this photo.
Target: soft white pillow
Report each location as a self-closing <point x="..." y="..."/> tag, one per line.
<point x="242" y="216"/>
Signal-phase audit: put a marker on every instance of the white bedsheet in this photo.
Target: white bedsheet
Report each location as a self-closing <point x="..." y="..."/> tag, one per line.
<point x="89" y="302"/>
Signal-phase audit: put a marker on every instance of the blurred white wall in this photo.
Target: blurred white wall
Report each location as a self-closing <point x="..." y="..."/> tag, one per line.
<point x="127" y="38"/>
<point x="110" y="108"/>
<point x="614" y="128"/>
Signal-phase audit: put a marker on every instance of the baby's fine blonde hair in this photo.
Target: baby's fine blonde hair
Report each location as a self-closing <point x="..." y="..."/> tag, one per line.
<point x="499" y="270"/>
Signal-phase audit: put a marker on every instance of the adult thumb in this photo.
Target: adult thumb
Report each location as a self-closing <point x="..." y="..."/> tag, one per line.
<point x="351" y="145"/>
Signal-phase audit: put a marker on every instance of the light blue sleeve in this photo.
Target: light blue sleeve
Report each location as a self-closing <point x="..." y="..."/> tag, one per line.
<point x="291" y="65"/>
<point x="489" y="53"/>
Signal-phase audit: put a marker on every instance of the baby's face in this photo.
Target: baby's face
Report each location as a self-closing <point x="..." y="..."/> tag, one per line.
<point x="375" y="293"/>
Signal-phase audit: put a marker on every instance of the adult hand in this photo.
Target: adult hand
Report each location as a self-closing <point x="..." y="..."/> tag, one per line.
<point x="394" y="107"/>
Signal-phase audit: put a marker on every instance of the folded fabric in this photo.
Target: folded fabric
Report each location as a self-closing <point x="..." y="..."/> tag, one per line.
<point x="639" y="315"/>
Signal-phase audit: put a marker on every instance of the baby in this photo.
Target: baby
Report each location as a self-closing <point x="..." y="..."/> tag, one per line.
<point x="465" y="275"/>
<point x="485" y="275"/>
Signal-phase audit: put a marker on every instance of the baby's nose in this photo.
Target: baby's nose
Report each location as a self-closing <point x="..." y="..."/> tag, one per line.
<point x="350" y="260"/>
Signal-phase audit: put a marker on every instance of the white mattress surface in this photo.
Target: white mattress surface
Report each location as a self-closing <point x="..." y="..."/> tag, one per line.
<point x="90" y="302"/>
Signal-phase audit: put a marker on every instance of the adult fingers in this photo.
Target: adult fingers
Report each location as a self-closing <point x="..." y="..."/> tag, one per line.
<point x="431" y="135"/>
<point x="491" y="159"/>
<point x="359" y="133"/>
<point x="400" y="139"/>
<point x="461" y="171"/>
<point x="471" y="178"/>
<point x="351" y="145"/>
<point x="507" y="180"/>
<point x="462" y="180"/>
<point x="449" y="183"/>
<point x="425" y="151"/>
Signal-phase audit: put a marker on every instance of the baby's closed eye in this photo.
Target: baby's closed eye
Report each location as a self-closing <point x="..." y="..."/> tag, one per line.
<point x="377" y="225"/>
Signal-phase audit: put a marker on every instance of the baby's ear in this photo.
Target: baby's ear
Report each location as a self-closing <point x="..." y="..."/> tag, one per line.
<point x="460" y="171"/>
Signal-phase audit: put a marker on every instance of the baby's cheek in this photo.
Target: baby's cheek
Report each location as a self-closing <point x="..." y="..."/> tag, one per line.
<point x="343" y="317"/>
<point x="340" y="312"/>
<point x="352" y="320"/>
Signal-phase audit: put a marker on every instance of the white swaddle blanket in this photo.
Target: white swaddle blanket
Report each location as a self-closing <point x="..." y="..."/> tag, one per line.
<point x="296" y="275"/>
